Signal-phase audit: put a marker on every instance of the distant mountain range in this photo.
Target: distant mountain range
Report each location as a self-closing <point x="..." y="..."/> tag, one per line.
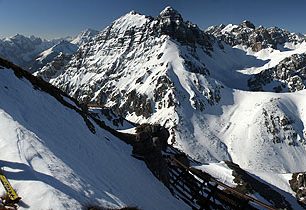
<point x="32" y="52"/>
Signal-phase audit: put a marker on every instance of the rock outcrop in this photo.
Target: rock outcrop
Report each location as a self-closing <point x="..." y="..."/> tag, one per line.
<point x="287" y="76"/>
<point x="151" y="140"/>
<point x="298" y="185"/>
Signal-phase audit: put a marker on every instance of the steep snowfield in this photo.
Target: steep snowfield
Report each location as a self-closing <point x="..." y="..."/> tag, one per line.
<point x="263" y="131"/>
<point x="62" y="48"/>
<point x="55" y="162"/>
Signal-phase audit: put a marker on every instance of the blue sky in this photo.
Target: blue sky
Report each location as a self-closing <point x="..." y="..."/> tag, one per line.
<point x="59" y="18"/>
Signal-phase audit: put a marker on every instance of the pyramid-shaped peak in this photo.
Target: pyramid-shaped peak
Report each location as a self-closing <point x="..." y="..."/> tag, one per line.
<point x="169" y="12"/>
<point x="247" y="24"/>
<point x="89" y="32"/>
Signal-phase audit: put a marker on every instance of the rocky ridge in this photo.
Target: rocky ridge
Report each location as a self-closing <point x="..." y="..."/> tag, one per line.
<point x="257" y="38"/>
<point x="287" y="76"/>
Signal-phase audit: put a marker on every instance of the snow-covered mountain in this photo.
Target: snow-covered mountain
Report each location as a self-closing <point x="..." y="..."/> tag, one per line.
<point x="288" y="75"/>
<point x="258" y="38"/>
<point x="121" y="65"/>
<point x="63" y="48"/>
<point x="32" y="52"/>
<point x="57" y="157"/>
<point x="23" y="50"/>
<point x="201" y="86"/>
<point x="167" y="70"/>
<point x="84" y="37"/>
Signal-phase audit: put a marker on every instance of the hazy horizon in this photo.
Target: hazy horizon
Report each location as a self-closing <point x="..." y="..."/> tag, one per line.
<point x="61" y="18"/>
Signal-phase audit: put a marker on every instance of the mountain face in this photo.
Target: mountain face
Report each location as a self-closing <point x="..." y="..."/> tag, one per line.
<point x="121" y="65"/>
<point x="57" y="157"/>
<point x="287" y="76"/>
<point x="63" y="48"/>
<point x="214" y="90"/>
<point x="256" y="38"/>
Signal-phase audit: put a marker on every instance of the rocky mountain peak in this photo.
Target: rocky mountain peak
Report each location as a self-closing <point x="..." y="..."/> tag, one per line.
<point x="171" y="13"/>
<point x="133" y="12"/>
<point x="259" y="38"/>
<point x="247" y="24"/>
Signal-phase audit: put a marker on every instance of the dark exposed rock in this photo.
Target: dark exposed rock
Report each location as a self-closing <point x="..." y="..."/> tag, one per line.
<point x="288" y="75"/>
<point x="246" y="183"/>
<point x="298" y="185"/>
<point x="135" y="102"/>
<point x="151" y="140"/>
<point x="248" y="24"/>
<point x="171" y="23"/>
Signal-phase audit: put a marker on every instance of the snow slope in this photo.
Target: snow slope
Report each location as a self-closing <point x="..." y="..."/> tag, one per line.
<point x="62" y="48"/>
<point x="263" y="131"/>
<point x="84" y="37"/>
<point x="54" y="161"/>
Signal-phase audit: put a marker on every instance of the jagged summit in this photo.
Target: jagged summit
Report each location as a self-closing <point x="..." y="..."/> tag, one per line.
<point x="259" y="38"/>
<point x="248" y="24"/>
<point x="171" y="13"/>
